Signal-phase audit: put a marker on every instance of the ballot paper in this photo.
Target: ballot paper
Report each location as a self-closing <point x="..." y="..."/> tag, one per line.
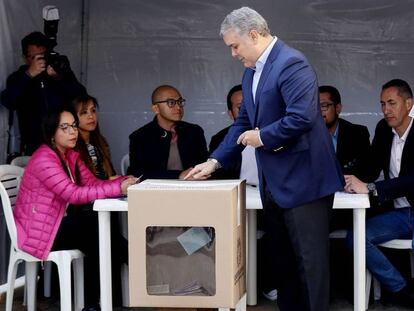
<point x="194" y="239"/>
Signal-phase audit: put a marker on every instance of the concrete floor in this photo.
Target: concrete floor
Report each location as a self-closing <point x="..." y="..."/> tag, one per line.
<point x="263" y="305"/>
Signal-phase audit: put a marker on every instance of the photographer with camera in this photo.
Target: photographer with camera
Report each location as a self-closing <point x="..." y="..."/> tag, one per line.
<point x="45" y="81"/>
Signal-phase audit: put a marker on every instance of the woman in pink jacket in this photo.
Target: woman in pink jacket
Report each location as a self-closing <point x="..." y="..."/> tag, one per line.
<point x="54" y="178"/>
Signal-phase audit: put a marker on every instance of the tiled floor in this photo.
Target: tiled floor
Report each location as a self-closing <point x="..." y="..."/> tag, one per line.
<point x="263" y="305"/>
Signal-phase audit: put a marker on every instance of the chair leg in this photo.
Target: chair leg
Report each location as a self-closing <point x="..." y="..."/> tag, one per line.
<point x="125" y="285"/>
<point x="31" y="284"/>
<point x="377" y="289"/>
<point x="412" y="263"/>
<point x="78" y="283"/>
<point x="47" y="279"/>
<point x="11" y="278"/>
<point x="64" y="266"/>
<point x="367" y="288"/>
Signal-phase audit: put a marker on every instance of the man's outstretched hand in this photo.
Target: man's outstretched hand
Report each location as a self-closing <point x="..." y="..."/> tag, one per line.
<point x="201" y="171"/>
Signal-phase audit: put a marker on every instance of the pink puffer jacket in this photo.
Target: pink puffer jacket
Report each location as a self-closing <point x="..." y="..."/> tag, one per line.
<point x="44" y="194"/>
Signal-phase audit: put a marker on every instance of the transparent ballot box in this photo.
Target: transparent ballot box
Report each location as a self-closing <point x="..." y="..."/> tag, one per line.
<point x="189" y="249"/>
<point x="186" y="243"/>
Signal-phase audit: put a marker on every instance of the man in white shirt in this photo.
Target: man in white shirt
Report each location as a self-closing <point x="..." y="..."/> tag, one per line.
<point x="393" y="152"/>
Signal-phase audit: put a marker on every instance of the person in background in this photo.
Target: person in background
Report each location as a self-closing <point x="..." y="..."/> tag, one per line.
<point x="55" y="180"/>
<point x="166" y="147"/>
<point x="234" y="100"/>
<point x="392" y="152"/>
<point x="94" y="151"/>
<point x="36" y="87"/>
<point x="91" y="145"/>
<point x="298" y="170"/>
<point x="351" y="143"/>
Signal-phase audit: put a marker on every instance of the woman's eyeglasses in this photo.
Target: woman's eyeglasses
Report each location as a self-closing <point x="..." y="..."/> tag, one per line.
<point x="65" y="127"/>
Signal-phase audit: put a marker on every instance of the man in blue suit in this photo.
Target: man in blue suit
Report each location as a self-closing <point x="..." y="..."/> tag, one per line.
<point x="298" y="170"/>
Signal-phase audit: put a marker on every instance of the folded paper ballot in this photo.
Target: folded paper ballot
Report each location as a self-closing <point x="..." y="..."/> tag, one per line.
<point x="350" y="200"/>
<point x="193" y="239"/>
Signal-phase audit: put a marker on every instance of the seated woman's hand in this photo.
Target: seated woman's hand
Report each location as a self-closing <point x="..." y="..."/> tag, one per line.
<point x="128" y="182"/>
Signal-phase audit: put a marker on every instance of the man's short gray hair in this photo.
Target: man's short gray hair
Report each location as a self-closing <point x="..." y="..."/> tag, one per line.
<point x="244" y="20"/>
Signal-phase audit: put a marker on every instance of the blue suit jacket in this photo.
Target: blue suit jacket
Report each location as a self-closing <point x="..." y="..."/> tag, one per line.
<point x="297" y="160"/>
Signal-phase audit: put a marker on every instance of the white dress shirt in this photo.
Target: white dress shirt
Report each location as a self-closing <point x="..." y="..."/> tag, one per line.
<point x="248" y="168"/>
<point x="259" y="66"/>
<point x="395" y="161"/>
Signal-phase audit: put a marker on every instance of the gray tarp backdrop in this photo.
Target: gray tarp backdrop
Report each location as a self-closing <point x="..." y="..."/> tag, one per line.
<point x="123" y="49"/>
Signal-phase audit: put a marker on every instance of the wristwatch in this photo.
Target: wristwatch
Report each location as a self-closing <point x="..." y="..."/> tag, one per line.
<point x="216" y="163"/>
<point x="372" y="188"/>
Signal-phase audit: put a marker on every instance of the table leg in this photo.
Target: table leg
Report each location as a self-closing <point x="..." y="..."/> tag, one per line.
<point x="251" y="257"/>
<point x="105" y="260"/>
<point x="359" y="259"/>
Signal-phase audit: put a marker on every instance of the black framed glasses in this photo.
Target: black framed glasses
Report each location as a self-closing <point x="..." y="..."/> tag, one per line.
<point x="171" y="102"/>
<point x="325" y="106"/>
<point x="65" y="127"/>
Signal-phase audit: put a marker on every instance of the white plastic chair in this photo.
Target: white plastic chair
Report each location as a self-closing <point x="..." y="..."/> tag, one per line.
<point x="9" y="184"/>
<point x="20" y="161"/>
<point x="395" y="244"/>
<point x="124" y="164"/>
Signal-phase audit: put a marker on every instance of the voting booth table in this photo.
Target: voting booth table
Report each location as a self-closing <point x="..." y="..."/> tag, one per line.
<point x="187" y="243"/>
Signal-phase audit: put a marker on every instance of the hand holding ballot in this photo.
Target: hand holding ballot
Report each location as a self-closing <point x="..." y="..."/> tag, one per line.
<point x="129" y="181"/>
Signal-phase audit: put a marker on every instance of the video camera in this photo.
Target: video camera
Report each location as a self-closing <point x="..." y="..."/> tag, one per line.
<point x="60" y="63"/>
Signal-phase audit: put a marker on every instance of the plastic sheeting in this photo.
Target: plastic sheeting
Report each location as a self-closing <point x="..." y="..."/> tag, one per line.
<point x="6" y="66"/>
<point x="136" y="45"/>
<point x="133" y="46"/>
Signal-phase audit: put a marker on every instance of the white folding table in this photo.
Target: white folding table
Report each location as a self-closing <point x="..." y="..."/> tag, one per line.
<point x="357" y="202"/>
<point x="104" y="207"/>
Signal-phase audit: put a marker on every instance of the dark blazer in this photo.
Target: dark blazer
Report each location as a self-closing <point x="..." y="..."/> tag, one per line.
<point x="352" y="148"/>
<point x="297" y="160"/>
<point x="149" y="149"/>
<point x="403" y="186"/>
<point x="231" y="172"/>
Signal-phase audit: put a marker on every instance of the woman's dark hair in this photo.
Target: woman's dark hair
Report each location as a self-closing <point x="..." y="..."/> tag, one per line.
<point x="49" y="127"/>
<point x="96" y="139"/>
<point x="51" y="122"/>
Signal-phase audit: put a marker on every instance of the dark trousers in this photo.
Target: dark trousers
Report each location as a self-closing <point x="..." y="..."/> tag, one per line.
<point x="80" y="231"/>
<point x="300" y="236"/>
